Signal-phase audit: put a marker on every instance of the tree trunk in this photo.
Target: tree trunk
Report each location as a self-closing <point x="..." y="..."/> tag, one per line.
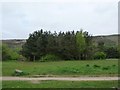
<point x="33" y="58"/>
<point x="80" y="56"/>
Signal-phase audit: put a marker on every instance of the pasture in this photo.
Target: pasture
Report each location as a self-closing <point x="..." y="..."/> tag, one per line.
<point x="63" y="68"/>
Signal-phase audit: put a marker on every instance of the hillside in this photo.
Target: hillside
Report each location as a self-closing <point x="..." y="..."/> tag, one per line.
<point x="110" y="40"/>
<point x="12" y="43"/>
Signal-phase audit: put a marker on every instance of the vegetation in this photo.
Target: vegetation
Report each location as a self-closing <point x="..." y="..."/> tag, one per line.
<point x="8" y="53"/>
<point x="109" y="51"/>
<point x="57" y="48"/>
<point x="49" y="57"/>
<point x="65" y="68"/>
<point x="46" y="46"/>
<point x="67" y="46"/>
<point x="112" y="52"/>
<point x="99" y="55"/>
<point x="60" y="84"/>
<point x="80" y="41"/>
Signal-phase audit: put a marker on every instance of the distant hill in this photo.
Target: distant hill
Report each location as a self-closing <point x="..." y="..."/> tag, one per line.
<point x="12" y="43"/>
<point x="109" y="40"/>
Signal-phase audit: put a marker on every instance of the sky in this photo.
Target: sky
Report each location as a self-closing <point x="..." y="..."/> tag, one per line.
<point x="20" y="18"/>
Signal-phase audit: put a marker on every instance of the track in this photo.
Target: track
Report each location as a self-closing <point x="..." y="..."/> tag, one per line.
<point x="60" y="78"/>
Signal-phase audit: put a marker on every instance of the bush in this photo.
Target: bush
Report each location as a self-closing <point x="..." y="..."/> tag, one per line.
<point x="21" y="58"/>
<point x="14" y="55"/>
<point x="49" y="57"/>
<point x="112" y="52"/>
<point x="87" y="65"/>
<point x="96" y="66"/>
<point x="8" y="53"/>
<point x="99" y="55"/>
<point x="113" y="65"/>
<point x="106" y="68"/>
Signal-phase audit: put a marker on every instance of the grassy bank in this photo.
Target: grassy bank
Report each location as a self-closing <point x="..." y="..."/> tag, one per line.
<point x="59" y="84"/>
<point x="94" y="67"/>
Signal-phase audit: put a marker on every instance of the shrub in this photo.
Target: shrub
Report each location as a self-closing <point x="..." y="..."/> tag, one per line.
<point x="49" y="57"/>
<point x="105" y="68"/>
<point x="8" y="53"/>
<point x="113" y="65"/>
<point x="87" y="65"/>
<point x="99" y="55"/>
<point x="14" y="55"/>
<point x="112" y="52"/>
<point x="96" y="66"/>
<point x="21" y="58"/>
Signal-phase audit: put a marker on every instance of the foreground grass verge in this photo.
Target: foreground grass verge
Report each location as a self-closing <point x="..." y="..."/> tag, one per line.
<point x="59" y="84"/>
<point x="68" y="68"/>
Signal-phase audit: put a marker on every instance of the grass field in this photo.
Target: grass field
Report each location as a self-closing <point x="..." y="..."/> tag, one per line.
<point x="59" y="84"/>
<point x="93" y="67"/>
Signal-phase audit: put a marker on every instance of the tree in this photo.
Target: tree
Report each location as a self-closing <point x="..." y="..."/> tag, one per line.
<point x="90" y="48"/>
<point x="34" y="47"/>
<point x="101" y="46"/>
<point x="80" y="41"/>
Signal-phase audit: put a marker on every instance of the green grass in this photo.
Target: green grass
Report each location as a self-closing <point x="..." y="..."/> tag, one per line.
<point x="59" y="84"/>
<point x="91" y="68"/>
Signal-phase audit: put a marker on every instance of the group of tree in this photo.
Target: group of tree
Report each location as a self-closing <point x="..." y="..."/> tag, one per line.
<point x="70" y="45"/>
<point x="66" y="45"/>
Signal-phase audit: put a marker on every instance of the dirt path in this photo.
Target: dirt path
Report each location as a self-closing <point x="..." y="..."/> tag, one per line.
<point x="61" y="78"/>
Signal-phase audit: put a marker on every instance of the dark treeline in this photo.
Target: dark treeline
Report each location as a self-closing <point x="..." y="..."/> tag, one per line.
<point x="66" y="45"/>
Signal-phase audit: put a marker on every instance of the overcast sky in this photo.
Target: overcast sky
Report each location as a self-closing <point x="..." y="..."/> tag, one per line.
<point x="98" y="17"/>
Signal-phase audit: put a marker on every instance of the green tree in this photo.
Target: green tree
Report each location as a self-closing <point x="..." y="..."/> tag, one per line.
<point x="90" y="48"/>
<point x="33" y="48"/>
<point x="81" y="45"/>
